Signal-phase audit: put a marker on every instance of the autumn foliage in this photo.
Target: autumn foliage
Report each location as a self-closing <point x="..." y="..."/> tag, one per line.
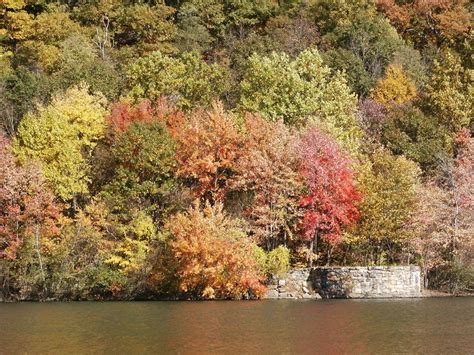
<point x="425" y="21"/>
<point x="445" y="220"/>
<point x="123" y="113"/>
<point x="395" y="88"/>
<point x="27" y="206"/>
<point x="190" y="149"/>
<point x="330" y="202"/>
<point x="212" y="254"/>
<point x="268" y="172"/>
<point x="208" y="146"/>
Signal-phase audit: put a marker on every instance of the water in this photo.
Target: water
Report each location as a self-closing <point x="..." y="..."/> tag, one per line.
<point x="417" y="326"/>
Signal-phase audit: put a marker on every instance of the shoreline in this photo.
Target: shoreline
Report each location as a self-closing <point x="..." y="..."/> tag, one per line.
<point x="424" y="295"/>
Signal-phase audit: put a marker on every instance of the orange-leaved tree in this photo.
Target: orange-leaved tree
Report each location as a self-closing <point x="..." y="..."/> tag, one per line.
<point x="123" y="114"/>
<point x="212" y="256"/>
<point x="428" y="21"/>
<point x="208" y="145"/>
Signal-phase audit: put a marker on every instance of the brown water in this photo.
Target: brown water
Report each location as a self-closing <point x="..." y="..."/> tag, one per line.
<point x="423" y="326"/>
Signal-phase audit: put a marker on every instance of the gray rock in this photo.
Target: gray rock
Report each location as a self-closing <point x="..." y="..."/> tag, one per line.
<point x="355" y="282"/>
<point x="272" y="294"/>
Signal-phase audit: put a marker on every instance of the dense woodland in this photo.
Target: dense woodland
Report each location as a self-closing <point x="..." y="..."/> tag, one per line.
<point x="191" y="148"/>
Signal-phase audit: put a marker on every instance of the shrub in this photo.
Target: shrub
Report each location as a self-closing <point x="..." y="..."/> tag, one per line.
<point x="454" y="278"/>
<point x="278" y="261"/>
<point x="212" y="255"/>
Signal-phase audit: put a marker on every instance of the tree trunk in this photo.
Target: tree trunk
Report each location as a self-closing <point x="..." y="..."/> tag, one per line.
<point x="38" y="252"/>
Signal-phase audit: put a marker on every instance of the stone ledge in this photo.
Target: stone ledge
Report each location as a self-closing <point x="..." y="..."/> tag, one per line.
<point x="347" y="282"/>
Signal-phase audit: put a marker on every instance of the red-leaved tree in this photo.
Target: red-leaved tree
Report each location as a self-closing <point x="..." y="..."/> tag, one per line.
<point x="331" y="198"/>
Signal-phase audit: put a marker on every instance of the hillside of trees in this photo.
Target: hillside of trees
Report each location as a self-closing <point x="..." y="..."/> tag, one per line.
<point x="191" y="148"/>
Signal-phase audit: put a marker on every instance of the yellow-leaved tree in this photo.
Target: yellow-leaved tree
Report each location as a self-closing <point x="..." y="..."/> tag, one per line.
<point x="388" y="185"/>
<point x="394" y="88"/>
<point x="450" y="91"/>
<point x="61" y="136"/>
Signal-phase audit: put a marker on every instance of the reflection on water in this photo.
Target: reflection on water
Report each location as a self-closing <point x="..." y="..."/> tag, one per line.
<point x="423" y="326"/>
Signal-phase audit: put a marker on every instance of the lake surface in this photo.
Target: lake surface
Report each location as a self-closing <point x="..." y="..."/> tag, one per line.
<point x="416" y="326"/>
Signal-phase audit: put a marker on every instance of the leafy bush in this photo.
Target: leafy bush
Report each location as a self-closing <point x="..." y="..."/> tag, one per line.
<point x="453" y="278"/>
<point x="278" y="261"/>
<point x="212" y="255"/>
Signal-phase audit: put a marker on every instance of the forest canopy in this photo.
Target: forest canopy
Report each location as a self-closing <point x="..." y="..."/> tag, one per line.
<point x="194" y="148"/>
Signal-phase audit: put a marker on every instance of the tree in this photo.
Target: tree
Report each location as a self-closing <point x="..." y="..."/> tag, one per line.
<point x="123" y="114"/>
<point x="331" y="15"/>
<point x="449" y="92"/>
<point x="78" y="61"/>
<point x="372" y="118"/>
<point x="371" y="38"/>
<point x="299" y="91"/>
<point x="279" y="88"/>
<point x="358" y="79"/>
<point x="29" y="221"/>
<point x="27" y="206"/>
<point x="147" y="27"/>
<point x="418" y="137"/>
<point x="131" y="250"/>
<point x="34" y="32"/>
<point x="291" y="35"/>
<point x="267" y="175"/>
<point x="77" y="266"/>
<point x="243" y="13"/>
<point x="395" y="88"/>
<point x="143" y="173"/>
<point x="213" y="257"/>
<point x="331" y="198"/>
<point x="388" y="185"/>
<point x="430" y="241"/>
<point x="61" y="137"/>
<point x="209" y="14"/>
<point x="21" y="90"/>
<point x="193" y="30"/>
<point x="140" y="192"/>
<point x="412" y="63"/>
<point x="444" y="221"/>
<point x="208" y="145"/>
<point x="188" y="79"/>
<point x="425" y="22"/>
<point x="219" y="17"/>
<point x="278" y="261"/>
